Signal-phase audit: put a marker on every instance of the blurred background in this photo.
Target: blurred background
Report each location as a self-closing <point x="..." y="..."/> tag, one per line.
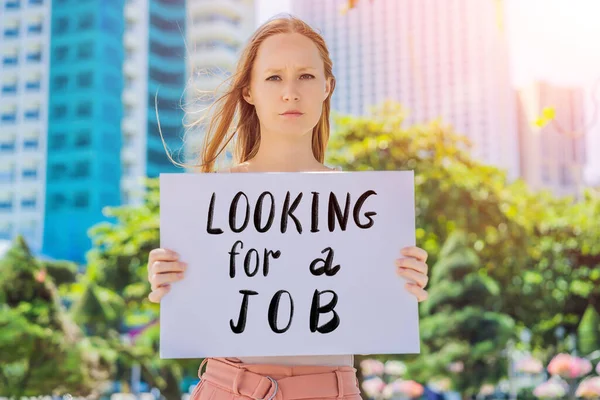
<point x="493" y="103"/>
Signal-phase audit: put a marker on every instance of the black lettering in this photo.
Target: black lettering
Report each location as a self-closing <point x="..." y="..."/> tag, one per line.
<point x="269" y="253"/>
<point x="258" y="213"/>
<point x="232" y="255"/>
<point x="334" y="212"/>
<point x="211" y="213"/>
<point x="233" y="213"/>
<point x="314" y="222"/>
<point x="316" y="310"/>
<point x="274" y="311"/>
<point x="369" y="214"/>
<point x="241" y="325"/>
<point x="327" y="268"/>
<point x="247" y="261"/>
<point x="288" y="212"/>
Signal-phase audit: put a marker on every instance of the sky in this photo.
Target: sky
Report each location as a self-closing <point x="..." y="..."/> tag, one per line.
<point x="555" y="40"/>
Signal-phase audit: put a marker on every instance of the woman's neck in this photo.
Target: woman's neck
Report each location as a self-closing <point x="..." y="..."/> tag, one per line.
<point x="282" y="153"/>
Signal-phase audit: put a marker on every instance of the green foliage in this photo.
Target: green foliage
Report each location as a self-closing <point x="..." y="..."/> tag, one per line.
<point x="42" y="351"/>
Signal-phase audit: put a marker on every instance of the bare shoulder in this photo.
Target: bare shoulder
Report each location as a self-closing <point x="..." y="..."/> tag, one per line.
<point x="236" y="168"/>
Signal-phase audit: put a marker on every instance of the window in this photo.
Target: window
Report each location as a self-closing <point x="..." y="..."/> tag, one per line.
<point x="81" y="200"/>
<point x="57" y="201"/>
<point x="9" y="86"/>
<point x="11" y="30"/>
<point x="81" y="169"/>
<point x="85" y="79"/>
<point x="32" y="114"/>
<point x="61" y="53"/>
<point x="33" y="83"/>
<point x="58" y="141"/>
<point x="60" y="82"/>
<point x="11" y="58"/>
<point x="9" y="115"/>
<point x="61" y="26"/>
<point x="85" y="51"/>
<point x="84" y="109"/>
<point x="29" y="202"/>
<point x="36" y="2"/>
<point x="59" y="111"/>
<point x="12" y="4"/>
<point x="29" y="172"/>
<point x="83" y="139"/>
<point x="35" y="27"/>
<point x="34" y="55"/>
<point x="86" y="22"/>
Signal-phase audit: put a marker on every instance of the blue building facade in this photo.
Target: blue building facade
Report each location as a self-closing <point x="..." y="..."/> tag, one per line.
<point x="166" y="79"/>
<point x="84" y="122"/>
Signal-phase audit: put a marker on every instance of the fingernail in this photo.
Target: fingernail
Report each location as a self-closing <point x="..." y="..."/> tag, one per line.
<point x="185" y="265"/>
<point x="180" y="274"/>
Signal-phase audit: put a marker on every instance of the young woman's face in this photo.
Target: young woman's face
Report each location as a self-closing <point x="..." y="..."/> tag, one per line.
<point x="288" y="84"/>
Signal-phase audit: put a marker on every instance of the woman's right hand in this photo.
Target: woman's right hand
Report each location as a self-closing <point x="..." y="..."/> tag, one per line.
<point x="164" y="268"/>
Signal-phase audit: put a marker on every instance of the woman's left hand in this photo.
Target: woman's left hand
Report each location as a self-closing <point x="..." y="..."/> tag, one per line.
<point x="413" y="267"/>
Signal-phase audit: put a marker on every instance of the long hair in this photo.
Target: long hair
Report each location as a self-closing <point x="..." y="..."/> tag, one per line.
<point x="231" y="118"/>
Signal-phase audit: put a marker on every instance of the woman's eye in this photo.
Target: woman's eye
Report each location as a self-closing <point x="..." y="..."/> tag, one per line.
<point x="307" y="75"/>
<point x="274" y="76"/>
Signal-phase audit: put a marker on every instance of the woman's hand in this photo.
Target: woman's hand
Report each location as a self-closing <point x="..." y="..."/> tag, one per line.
<point x="164" y="268"/>
<point x="412" y="266"/>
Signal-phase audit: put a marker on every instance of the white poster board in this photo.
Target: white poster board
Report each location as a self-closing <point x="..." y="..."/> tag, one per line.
<point x="242" y="309"/>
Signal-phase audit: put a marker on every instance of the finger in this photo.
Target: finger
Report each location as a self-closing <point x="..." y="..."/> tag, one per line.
<point x="156" y="295"/>
<point x="417" y="277"/>
<point x="162" y="255"/>
<point x="159" y="280"/>
<point x="420" y="293"/>
<point x="416" y="252"/>
<point x="412" y="263"/>
<point x="161" y="267"/>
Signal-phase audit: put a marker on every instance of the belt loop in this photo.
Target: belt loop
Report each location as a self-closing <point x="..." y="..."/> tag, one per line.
<point x="236" y="381"/>
<point x="201" y="366"/>
<point x="340" y="384"/>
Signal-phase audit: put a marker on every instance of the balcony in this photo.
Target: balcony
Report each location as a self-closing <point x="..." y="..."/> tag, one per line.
<point x="130" y="69"/>
<point x="34" y="56"/>
<point x="9" y="118"/>
<point x="129" y="127"/>
<point x="217" y="30"/>
<point x="11" y="32"/>
<point x="215" y="56"/>
<point x="34" y="28"/>
<point x="128" y="155"/>
<point x="30" y="173"/>
<point x="132" y="42"/>
<point x="8" y="146"/>
<point x="31" y="144"/>
<point x="131" y="14"/>
<point x="33" y="85"/>
<point x="10" y="60"/>
<point x="230" y="8"/>
<point x="32" y="115"/>
<point x="129" y="98"/>
<point x="9" y="88"/>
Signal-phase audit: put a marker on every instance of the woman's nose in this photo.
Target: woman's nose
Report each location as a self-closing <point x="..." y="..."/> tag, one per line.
<point x="291" y="93"/>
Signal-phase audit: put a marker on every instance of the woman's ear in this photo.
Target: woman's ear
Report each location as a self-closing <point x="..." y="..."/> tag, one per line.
<point x="329" y="85"/>
<point x="247" y="95"/>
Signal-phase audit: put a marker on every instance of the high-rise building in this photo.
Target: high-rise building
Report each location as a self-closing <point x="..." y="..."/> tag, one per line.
<point x="554" y="156"/>
<point x="155" y="78"/>
<point x="84" y="122"/>
<point x="217" y="32"/>
<point x="439" y="58"/>
<point x="24" y="70"/>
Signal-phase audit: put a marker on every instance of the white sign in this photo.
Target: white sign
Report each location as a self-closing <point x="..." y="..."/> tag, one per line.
<point x="288" y="264"/>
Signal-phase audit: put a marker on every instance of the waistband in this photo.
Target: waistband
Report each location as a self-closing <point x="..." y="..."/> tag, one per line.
<point x="280" y="382"/>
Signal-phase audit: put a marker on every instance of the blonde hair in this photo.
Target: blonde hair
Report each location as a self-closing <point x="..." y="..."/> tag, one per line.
<point x="230" y="110"/>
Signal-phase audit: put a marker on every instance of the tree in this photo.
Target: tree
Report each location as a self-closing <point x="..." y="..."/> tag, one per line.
<point x="42" y="350"/>
<point x="110" y="300"/>
<point x="463" y="322"/>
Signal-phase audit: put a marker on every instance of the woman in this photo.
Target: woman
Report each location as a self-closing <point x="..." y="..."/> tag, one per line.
<point x="281" y="96"/>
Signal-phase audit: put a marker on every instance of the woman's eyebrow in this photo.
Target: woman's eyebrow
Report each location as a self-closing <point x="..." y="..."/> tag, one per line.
<point x="277" y="70"/>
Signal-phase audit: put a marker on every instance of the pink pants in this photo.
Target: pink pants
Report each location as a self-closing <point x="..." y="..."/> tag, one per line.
<point x="228" y="380"/>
